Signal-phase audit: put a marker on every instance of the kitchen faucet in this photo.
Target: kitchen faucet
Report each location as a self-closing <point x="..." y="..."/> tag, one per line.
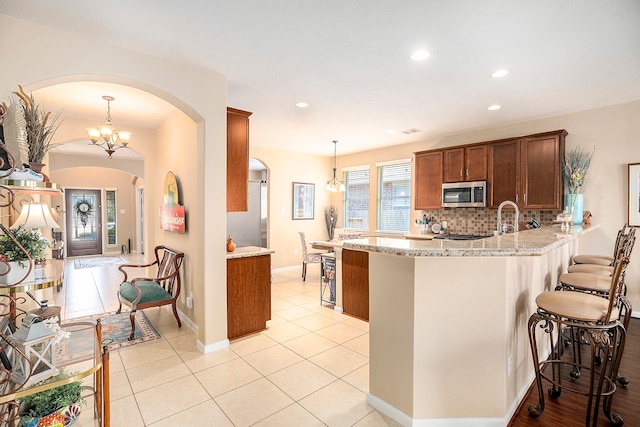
<point x="515" y="225"/>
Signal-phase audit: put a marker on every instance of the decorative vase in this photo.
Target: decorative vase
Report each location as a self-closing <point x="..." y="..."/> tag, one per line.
<point x="575" y="203"/>
<point x="37" y="167"/>
<point x="230" y="245"/>
<point x="65" y="417"/>
<point x="15" y="273"/>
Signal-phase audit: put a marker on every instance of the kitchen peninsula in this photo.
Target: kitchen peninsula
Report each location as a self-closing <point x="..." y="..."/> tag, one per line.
<point x="248" y="290"/>
<point x="448" y="322"/>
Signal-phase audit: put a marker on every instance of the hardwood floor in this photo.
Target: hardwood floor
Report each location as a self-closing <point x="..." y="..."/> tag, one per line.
<point x="569" y="410"/>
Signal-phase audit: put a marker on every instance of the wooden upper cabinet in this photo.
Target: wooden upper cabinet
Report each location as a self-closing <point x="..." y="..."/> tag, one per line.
<point x="454" y="165"/>
<point x="237" y="160"/>
<point x="542" y="171"/>
<point x="504" y="172"/>
<point x="465" y="163"/>
<point x="527" y="171"/>
<point x="428" y="180"/>
<point x="476" y="163"/>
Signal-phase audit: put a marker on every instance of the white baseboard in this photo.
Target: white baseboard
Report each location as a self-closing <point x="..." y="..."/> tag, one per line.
<point x="210" y="348"/>
<point x="283" y="269"/>
<point x="183" y="317"/>
<point x="407" y="421"/>
<point x="337" y="309"/>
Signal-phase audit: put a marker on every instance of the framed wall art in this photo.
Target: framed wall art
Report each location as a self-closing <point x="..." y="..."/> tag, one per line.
<point x="303" y="200"/>
<point x="634" y="194"/>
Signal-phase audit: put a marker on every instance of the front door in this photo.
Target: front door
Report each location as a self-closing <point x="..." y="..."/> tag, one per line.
<point x="84" y="222"/>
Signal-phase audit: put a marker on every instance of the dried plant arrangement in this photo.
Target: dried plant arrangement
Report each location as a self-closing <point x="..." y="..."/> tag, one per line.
<point x="40" y="126"/>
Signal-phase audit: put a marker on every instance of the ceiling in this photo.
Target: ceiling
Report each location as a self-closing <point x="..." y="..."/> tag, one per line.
<point x="350" y="61"/>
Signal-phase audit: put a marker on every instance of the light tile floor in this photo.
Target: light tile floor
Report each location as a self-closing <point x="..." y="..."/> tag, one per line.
<point x="309" y="368"/>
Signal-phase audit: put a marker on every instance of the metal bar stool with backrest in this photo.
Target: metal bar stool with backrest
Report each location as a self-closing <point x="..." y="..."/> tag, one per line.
<point x="307" y="257"/>
<point x="600" y="264"/>
<point x="596" y="320"/>
<point x="599" y="284"/>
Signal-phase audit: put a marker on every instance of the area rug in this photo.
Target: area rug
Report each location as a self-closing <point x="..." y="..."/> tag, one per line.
<point x="99" y="261"/>
<point x="115" y="334"/>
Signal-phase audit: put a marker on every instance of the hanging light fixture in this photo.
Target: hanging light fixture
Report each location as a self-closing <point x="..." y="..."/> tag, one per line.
<point x="334" y="184"/>
<point x="106" y="136"/>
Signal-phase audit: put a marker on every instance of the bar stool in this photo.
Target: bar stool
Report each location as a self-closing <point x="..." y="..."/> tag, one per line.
<point x="596" y="321"/>
<point x="600" y="285"/>
<point x="601" y="264"/>
<point x="605" y="259"/>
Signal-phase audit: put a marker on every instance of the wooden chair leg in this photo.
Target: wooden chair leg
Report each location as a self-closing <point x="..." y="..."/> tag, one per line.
<point x="132" y="316"/>
<point x="304" y="271"/>
<point x="175" y="313"/>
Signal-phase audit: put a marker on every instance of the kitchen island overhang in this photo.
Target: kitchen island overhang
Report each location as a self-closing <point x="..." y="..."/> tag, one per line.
<point x="448" y="322"/>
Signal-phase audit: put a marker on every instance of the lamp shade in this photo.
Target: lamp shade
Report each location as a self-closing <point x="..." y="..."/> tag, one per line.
<point x="35" y="215"/>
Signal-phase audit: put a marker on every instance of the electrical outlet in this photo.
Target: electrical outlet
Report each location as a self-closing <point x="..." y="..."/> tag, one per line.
<point x="189" y="302"/>
<point x="295" y="252"/>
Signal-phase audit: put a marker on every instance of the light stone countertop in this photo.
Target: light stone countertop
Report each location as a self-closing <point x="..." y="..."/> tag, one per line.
<point x="533" y="242"/>
<point x="248" y="251"/>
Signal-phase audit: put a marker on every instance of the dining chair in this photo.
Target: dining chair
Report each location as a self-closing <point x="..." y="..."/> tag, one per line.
<point x="307" y="257"/>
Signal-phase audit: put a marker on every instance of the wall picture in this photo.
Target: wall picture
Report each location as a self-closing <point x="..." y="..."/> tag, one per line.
<point x="303" y="200"/>
<point x="634" y="194"/>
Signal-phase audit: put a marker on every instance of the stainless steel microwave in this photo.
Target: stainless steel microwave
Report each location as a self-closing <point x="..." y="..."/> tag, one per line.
<point x="472" y="194"/>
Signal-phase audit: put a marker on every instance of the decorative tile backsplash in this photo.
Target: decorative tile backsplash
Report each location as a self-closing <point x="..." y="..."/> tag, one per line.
<point x="482" y="221"/>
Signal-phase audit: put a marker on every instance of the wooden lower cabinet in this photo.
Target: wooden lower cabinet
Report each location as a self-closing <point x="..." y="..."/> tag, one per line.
<point x="248" y="295"/>
<point x="355" y="283"/>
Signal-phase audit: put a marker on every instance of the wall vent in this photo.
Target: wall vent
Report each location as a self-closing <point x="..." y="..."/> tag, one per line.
<point x="410" y="131"/>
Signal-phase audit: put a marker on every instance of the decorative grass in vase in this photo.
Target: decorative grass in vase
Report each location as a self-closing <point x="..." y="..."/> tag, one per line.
<point x="40" y="126"/>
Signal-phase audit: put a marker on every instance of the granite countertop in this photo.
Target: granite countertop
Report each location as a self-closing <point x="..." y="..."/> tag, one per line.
<point x="533" y="242"/>
<point x="248" y="251"/>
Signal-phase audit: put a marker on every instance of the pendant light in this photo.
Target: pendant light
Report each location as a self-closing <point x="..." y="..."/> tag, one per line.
<point x="105" y="136"/>
<point x="334" y="184"/>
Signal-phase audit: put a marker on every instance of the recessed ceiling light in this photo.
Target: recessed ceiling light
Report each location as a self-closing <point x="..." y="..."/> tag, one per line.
<point x="391" y="131"/>
<point x="419" y="55"/>
<point x="499" y="73"/>
<point x="494" y="107"/>
<point x="302" y="104"/>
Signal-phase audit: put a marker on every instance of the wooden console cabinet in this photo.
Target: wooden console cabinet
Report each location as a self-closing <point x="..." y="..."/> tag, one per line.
<point x="248" y="294"/>
<point x="355" y="283"/>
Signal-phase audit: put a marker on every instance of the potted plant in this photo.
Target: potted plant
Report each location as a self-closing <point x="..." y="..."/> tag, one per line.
<point x="40" y="127"/>
<point x="15" y="258"/>
<point x="574" y="169"/>
<point x="56" y="406"/>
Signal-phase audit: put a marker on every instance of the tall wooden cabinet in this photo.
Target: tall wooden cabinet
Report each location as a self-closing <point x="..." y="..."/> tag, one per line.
<point x="237" y="160"/>
<point x="428" y="180"/>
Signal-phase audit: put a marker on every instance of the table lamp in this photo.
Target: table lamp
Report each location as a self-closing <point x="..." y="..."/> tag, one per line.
<point x="35" y="216"/>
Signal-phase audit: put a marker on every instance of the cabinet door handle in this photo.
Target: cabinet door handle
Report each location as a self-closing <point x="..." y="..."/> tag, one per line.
<point x="460" y="172"/>
<point x="467" y="173"/>
<point x="525" y="198"/>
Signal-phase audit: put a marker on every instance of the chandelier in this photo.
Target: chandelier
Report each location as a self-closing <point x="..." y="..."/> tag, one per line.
<point x="106" y="136"/>
<point x="334" y="184"/>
